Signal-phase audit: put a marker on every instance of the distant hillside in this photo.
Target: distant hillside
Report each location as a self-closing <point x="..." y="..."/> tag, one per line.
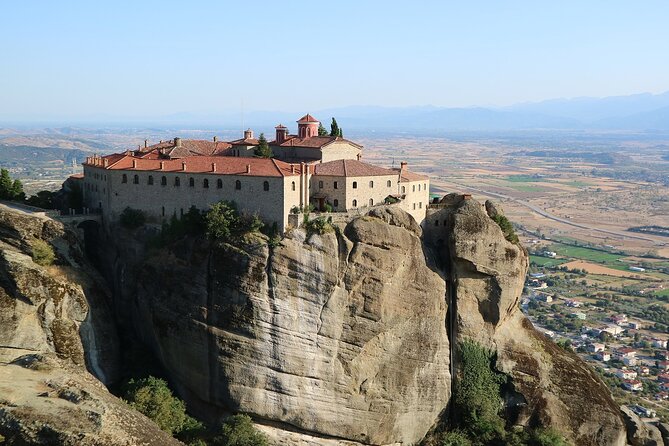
<point x="17" y="155"/>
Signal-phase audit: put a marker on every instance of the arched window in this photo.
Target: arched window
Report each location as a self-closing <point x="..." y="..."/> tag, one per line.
<point x="419" y="188"/>
<point x="219" y="183"/>
<point x="150" y="180"/>
<point x="355" y="203"/>
<point x="404" y="190"/>
<point x="355" y="185"/>
<point x="389" y="183"/>
<point x="371" y="184"/>
<point x="163" y="181"/>
<point x="124" y="179"/>
<point x="191" y="182"/>
<point x="163" y="211"/>
<point x="135" y="179"/>
<point x="292" y="186"/>
<point x="238" y="185"/>
<point x="265" y="186"/>
<point x="413" y="188"/>
<point x="177" y="181"/>
<point x="420" y="205"/>
<point x="205" y="183"/>
<point x="336" y="203"/>
<point x="371" y="202"/>
<point x="436" y="222"/>
<point x="424" y="186"/>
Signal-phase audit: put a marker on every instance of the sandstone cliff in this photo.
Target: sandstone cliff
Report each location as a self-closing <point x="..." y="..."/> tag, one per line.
<point x="54" y="324"/>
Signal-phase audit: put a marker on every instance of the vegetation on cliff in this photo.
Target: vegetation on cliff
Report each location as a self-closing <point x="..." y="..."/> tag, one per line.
<point x="10" y="189"/>
<point x="42" y="252"/>
<point x="507" y="228"/>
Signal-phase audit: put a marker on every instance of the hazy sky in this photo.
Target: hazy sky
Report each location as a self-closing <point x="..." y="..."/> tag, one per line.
<point x="147" y="58"/>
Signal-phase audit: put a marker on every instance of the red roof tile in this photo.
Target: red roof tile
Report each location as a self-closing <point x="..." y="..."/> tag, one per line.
<point x="188" y="147"/>
<point x="312" y="142"/>
<point x="408" y="176"/>
<point x="245" y="142"/>
<point x="225" y="165"/>
<point x="350" y="168"/>
<point x="308" y="118"/>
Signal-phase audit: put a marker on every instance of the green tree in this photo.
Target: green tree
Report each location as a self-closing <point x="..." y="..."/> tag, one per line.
<point x="153" y="398"/>
<point x="43" y="199"/>
<point x="10" y="189"/>
<point x="506" y="227"/>
<point x="222" y="220"/>
<point x="546" y="437"/>
<point x="321" y="130"/>
<point x="238" y="430"/>
<point x="42" y="252"/>
<point x="262" y="150"/>
<point x="455" y="438"/>
<point x="334" y="128"/>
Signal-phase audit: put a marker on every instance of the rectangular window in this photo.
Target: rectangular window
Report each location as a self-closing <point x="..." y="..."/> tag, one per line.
<point x="414" y="206"/>
<point x="420" y="205"/>
<point x="320" y="185"/>
<point x="336" y="185"/>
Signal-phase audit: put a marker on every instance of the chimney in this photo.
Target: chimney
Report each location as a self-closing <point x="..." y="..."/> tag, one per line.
<point x="281" y="133"/>
<point x="215" y="138"/>
<point x="292" y="168"/>
<point x="248" y="134"/>
<point x="177" y="142"/>
<point x="248" y="168"/>
<point x="213" y="167"/>
<point x="183" y="166"/>
<point x="162" y="165"/>
<point x="106" y="161"/>
<point x="134" y="164"/>
<point x="146" y="143"/>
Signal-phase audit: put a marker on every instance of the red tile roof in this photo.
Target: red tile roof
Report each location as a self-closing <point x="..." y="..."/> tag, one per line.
<point x="188" y="147"/>
<point x="350" y="168"/>
<point x="408" y="176"/>
<point x="312" y="142"/>
<point x="280" y="126"/>
<point x="245" y="142"/>
<point x="308" y="118"/>
<point x="225" y="165"/>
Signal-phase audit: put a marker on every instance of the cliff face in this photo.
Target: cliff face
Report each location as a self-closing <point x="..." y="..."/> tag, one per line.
<point x="336" y="339"/>
<point x="337" y="335"/>
<point x="54" y="324"/>
<point x="551" y="387"/>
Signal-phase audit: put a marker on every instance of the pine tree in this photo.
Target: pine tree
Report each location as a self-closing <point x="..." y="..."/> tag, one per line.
<point x="341" y="133"/>
<point x="262" y="150"/>
<point x="5" y="185"/>
<point x="321" y="130"/>
<point x="17" y="191"/>
<point x="334" y="128"/>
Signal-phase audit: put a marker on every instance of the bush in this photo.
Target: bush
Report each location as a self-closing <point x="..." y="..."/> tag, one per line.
<point x="546" y="437"/>
<point x="477" y="393"/>
<point x="507" y="228"/>
<point x="132" y="218"/>
<point x="318" y="225"/>
<point x="455" y="438"/>
<point x="42" y="253"/>
<point x="153" y="398"/>
<point x="223" y="221"/>
<point x="238" y="430"/>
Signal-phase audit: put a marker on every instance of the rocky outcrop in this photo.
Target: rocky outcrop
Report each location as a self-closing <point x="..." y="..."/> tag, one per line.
<point x="340" y="335"/>
<point x="45" y="400"/>
<point x="550" y="387"/>
<point x="638" y="432"/>
<point x="55" y="330"/>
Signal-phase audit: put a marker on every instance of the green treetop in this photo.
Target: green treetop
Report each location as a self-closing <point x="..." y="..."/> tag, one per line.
<point x="10" y="190"/>
<point x="262" y="150"/>
<point x="321" y="130"/>
<point x="334" y="128"/>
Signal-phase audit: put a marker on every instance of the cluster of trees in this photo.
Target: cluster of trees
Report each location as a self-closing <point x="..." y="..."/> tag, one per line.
<point x="10" y="189"/>
<point x="507" y="228"/>
<point x="262" y="150"/>
<point x="478" y="406"/>
<point x="152" y="397"/>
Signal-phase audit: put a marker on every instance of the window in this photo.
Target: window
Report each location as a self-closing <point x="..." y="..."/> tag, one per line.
<point x="124" y="179"/>
<point x="163" y="211"/>
<point x="419" y="188"/>
<point x="336" y="185"/>
<point x="420" y="205"/>
<point x="238" y="185"/>
<point x="424" y="186"/>
<point x="320" y="185"/>
<point x="389" y="183"/>
<point x="413" y="188"/>
<point x="404" y="190"/>
<point x="355" y="185"/>
<point x="436" y="222"/>
<point x="265" y="186"/>
<point x="163" y="181"/>
<point x="336" y="203"/>
<point x="177" y="181"/>
<point x="150" y="180"/>
<point x="191" y="182"/>
<point x="371" y="202"/>
<point x="205" y="183"/>
<point x="292" y="186"/>
<point x="219" y="183"/>
<point x="135" y="179"/>
<point x="182" y="212"/>
<point x="414" y="206"/>
<point x="371" y="184"/>
<point x="355" y="202"/>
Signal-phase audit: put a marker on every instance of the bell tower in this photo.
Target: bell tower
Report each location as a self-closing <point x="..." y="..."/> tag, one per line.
<point x="307" y="126"/>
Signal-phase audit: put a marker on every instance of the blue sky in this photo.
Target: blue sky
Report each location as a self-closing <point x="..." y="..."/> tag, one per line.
<point x="82" y="59"/>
